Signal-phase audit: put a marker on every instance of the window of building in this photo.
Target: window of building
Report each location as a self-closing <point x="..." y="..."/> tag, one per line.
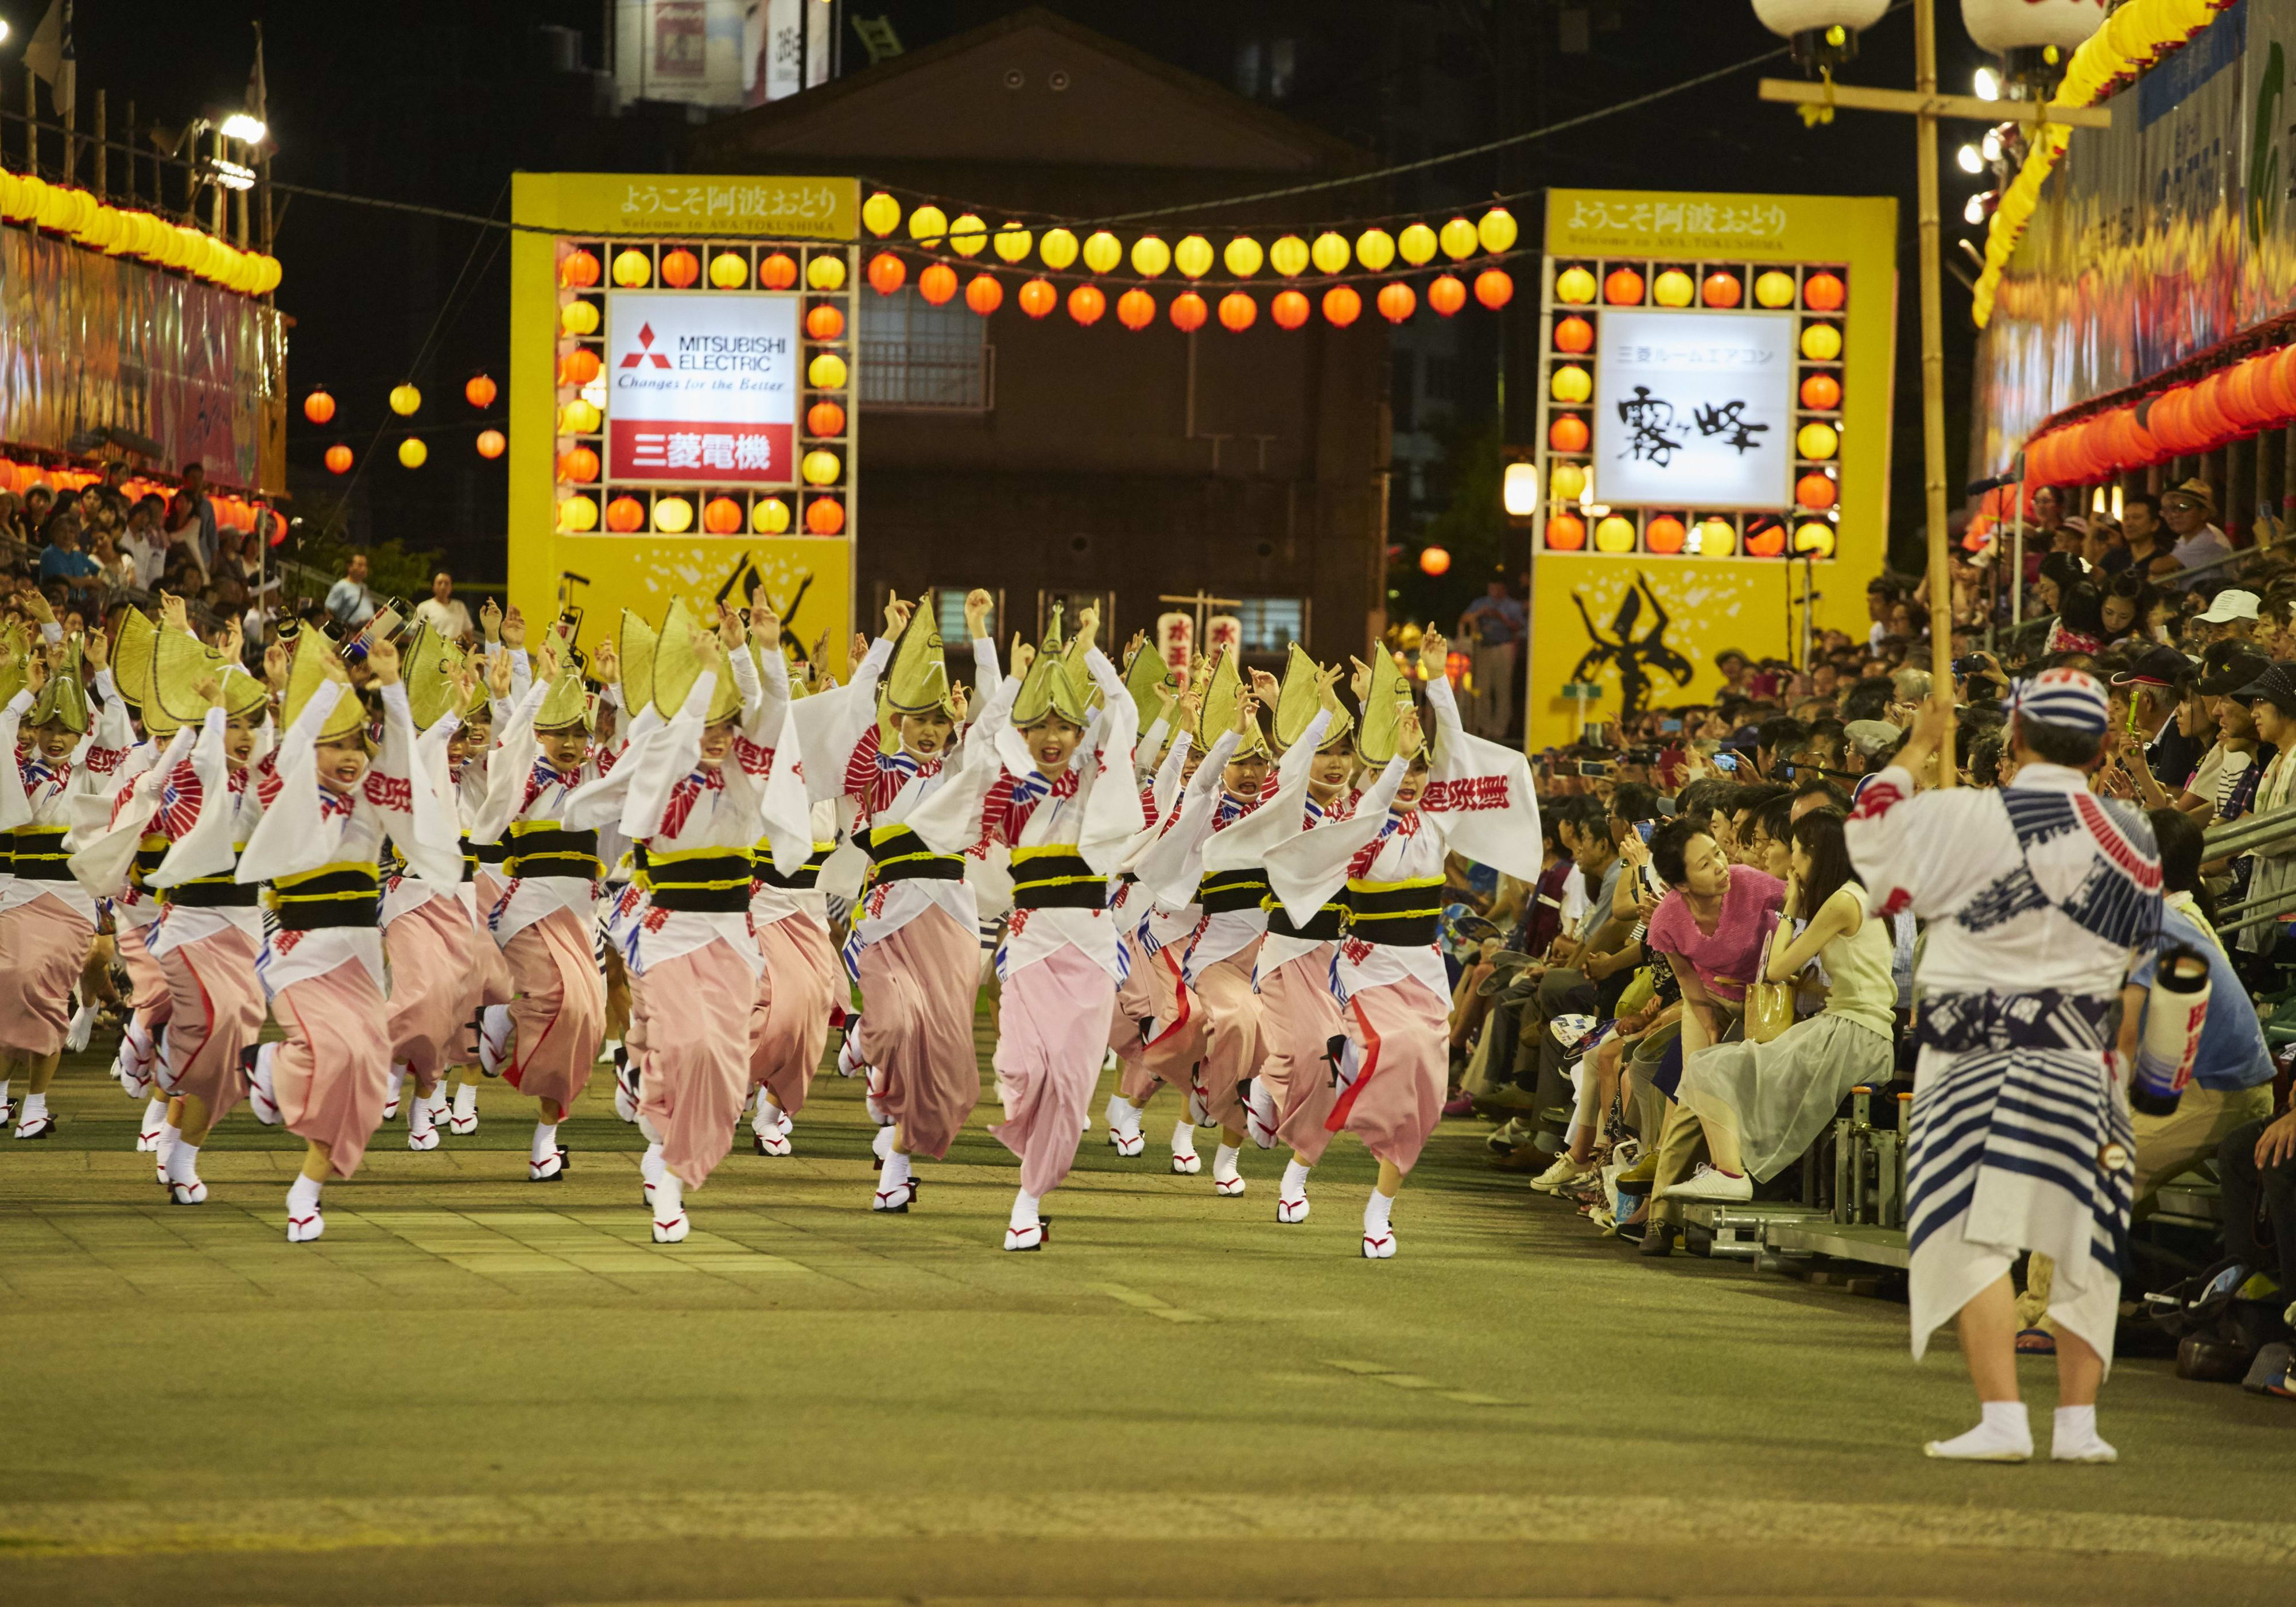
<point x="948" y="614"/>
<point x="1271" y="623"/>
<point x="916" y="357"/>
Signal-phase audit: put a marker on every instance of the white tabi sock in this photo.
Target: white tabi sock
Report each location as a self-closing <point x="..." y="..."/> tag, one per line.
<point x="2075" y="1438"/>
<point x="1183" y="1139"/>
<point x="3" y="1090"/>
<point x="646" y="1131"/>
<point x="155" y="1117"/>
<point x="1224" y="1164"/>
<point x="769" y="1117"/>
<point x="437" y="1099"/>
<point x="397" y="1081"/>
<point x="1295" y="1181"/>
<point x="2003" y="1434"/>
<point x="669" y="1196"/>
<point x="169" y="1137"/>
<point x="1024" y="1211"/>
<point x="420" y="1117"/>
<point x="35" y="1105"/>
<point x="1375" y="1213"/>
<point x="545" y="1143"/>
<point x="302" y="1196"/>
<point x="650" y="1165"/>
<point x="466" y="1099"/>
<point x="896" y="1172"/>
<point x="1123" y="1115"/>
<point x="182" y="1162"/>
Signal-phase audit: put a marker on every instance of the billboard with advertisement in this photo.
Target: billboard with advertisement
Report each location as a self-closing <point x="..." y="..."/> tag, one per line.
<point x="701" y="384"/>
<point x="1695" y="410"/>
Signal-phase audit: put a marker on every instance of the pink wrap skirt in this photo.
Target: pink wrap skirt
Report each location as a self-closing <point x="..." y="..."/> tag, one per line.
<point x="693" y="1016"/>
<point x="1232" y="1035"/>
<point x="433" y="951"/>
<point x="215" y="1010"/>
<point x="43" y="946"/>
<point x="1298" y="1019"/>
<point x="1401" y="1036"/>
<point x="560" y="1012"/>
<point x="147" y="985"/>
<point x="917" y="987"/>
<point x="1171" y="1055"/>
<point x="1048" y="1053"/>
<point x="333" y="1073"/>
<point x="797" y="993"/>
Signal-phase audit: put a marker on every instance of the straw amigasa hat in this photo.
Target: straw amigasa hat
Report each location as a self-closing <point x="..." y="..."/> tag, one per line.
<point x="173" y="665"/>
<point x="134" y="649"/>
<point x="308" y="674"/>
<point x="430" y="666"/>
<point x="1144" y="677"/>
<point x="634" y="644"/>
<point x="63" y="701"/>
<point x="18" y="670"/>
<point x="566" y="706"/>
<point x="1297" y="703"/>
<point x="1049" y="689"/>
<point x="1218" y="712"/>
<point x="677" y="666"/>
<point x="1387" y="697"/>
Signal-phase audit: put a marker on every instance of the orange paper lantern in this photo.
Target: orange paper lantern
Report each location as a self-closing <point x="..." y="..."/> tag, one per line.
<point x="1720" y="289"/>
<point x="1396" y="301"/>
<point x="579" y="271"/>
<point x="1189" y="312"/>
<point x="580" y="367"/>
<point x="1136" y="310"/>
<point x="492" y="444"/>
<point x="1237" y="312"/>
<point x="1434" y="561"/>
<point x="1574" y="334"/>
<point x="824" y="322"/>
<point x="1039" y="298"/>
<point x="1494" y="289"/>
<point x="319" y="406"/>
<point x="1566" y="533"/>
<point x="1821" y="293"/>
<point x="625" y="514"/>
<point x="1567" y="432"/>
<point x="1815" y="491"/>
<point x="1623" y="288"/>
<point x="1664" y="534"/>
<point x="721" y="516"/>
<point x="777" y="272"/>
<point x="1290" y="309"/>
<point x="1341" y="304"/>
<point x="825" y="516"/>
<point x="1821" y="392"/>
<point x="480" y="392"/>
<point x="339" y="459"/>
<point x="1765" y="536"/>
<point x="985" y="293"/>
<point x="937" y="283"/>
<point x="578" y="464"/>
<point x="1086" y="304"/>
<point x="886" y="273"/>
<point x="824" y="418"/>
<point x="680" y="268"/>
<point x="1447" y="295"/>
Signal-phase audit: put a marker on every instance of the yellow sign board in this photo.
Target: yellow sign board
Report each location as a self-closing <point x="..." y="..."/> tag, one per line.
<point x="808" y="579"/>
<point x="712" y="205"/>
<point x="1695" y="226"/>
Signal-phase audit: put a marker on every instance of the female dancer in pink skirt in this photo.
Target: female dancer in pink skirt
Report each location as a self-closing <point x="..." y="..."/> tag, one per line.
<point x="1161" y="770"/>
<point x="1066" y="807"/>
<point x="803" y="988"/>
<point x="485" y="988"/>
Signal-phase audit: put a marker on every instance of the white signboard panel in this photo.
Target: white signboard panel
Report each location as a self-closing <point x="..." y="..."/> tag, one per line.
<point x="702" y="387"/>
<point x="1694" y="410"/>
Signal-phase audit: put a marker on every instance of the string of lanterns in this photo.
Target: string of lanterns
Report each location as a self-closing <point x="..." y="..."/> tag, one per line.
<point x="75" y="213"/>
<point x="2255" y="394"/>
<point x="405" y="399"/>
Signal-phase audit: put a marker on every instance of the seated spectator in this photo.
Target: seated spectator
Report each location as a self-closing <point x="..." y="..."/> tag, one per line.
<point x="2256" y="1165"/>
<point x="63" y="559"/>
<point x="143" y="542"/>
<point x="2190" y="510"/>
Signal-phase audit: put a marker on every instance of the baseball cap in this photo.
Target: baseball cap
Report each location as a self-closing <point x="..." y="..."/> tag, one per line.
<point x="2157" y="667"/>
<point x="2231" y="603"/>
<point x="2229" y="666"/>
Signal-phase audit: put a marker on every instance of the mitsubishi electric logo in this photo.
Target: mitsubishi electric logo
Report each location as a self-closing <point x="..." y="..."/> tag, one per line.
<point x="646" y="352"/>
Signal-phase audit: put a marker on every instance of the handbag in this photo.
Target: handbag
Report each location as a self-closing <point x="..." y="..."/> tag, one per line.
<point x="1769" y="1005"/>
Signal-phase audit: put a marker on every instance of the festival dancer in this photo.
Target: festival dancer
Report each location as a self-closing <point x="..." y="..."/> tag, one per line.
<point x="1468" y="794"/>
<point x="2035" y="899"/>
<point x="486" y="990"/>
<point x="1042" y="790"/>
<point x="328" y="807"/>
<point x="1160" y="758"/>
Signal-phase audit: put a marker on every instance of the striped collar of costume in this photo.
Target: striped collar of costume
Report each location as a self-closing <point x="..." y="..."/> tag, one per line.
<point x="684" y="795"/>
<point x="38" y="771"/>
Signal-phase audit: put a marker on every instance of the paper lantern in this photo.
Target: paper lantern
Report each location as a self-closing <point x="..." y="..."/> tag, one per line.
<point x="1821" y="342"/>
<point x="1614" y="533"/>
<point x="1565" y="481"/>
<point x="1288" y="256"/>
<point x="1013" y="241"/>
<point x="778" y="271"/>
<point x="581" y="366"/>
<point x="1039" y="298"/>
<point x="770" y="516"/>
<point x="1376" y="248"/>
<point x="721" y="516"/>
<point x="937" y="283"/>
<point x="1494" y="289"/>
<point x="405" y="399"/>
<point x="825" y="322"/>
<point x="1721" y="290"/>
<point x="826" y="272"/>
<point x="886" y="273"/>
<point x="631" y="268"/>
<point x="339" y="459"/>
<point x="2281" y="384"/>
<point x="1329" y="253"/>
<point x="578" y="515"/>
<point x="1766" y="537"/>
<point x="1416" y="244"/>
<point x="985" y="293"/>
<point x="1821" y="392"/>
<point x="824" y="418"/>
<point x="1136" y="310"/>
<point x="821" y="467"/>
<point x="1086" y="304"/>
<point x="1290" y="309"/>
<point x="1101" y="251"/>
<point x="579" y="318"/>
<point x="1058" y="249"/>
<point x="1815" y="490"/>
<point x="1673" y="288"/>
<point x="826" y="371"/>
<point x="1823" y="292"/>
<point x="579" y="417"/>
<point x="319" y="406"/>
<point x="1446" y="294"/>
<point x="1816" y="442"/>
<point x="625" y="514"/>
<point x="1434" y="561"/>
<point x="1150" y="257"/>
<point x="1574" y="286"/>
<point x="1566" y="533"/>
<point x="1774" y="289"/>
<point x="1571" y="383"/>
<point x="672" y="515"/>
<point x="1716" y="538"/>
<point x="825" y="516"/>
<point x="1664" y="534"/>
<point x="1567" y="433"/>
<point x="1188" y="311"/>
<point x="1458" y="239"/>
<point x="680" y="268"/>
<point x="1396" y="301"/>
<point x="579" y="270"/>
<point x="578" y="464"/>
<point x="1496" y="231"/>
<point x="1242" y="257"/>
<point x="1237" y="312"/>
<point x="1574" y="334"/>
<point x="413" y="453"/>
<point x="967" y="235"/>
<point x="928" y="224"/>
<point x="1341" y="304"/>
<point x="1623" y="287"/>
<point x="1192" y="256"/>
<point x="492" y="444"/>
<point x="881" y="214"/>
<point x="730" y="270"/>
<point x="479" y="392"/>
<point x="1814" y="537"/>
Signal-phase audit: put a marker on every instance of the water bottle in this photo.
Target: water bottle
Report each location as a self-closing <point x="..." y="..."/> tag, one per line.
<point x="2174" y="1015"/>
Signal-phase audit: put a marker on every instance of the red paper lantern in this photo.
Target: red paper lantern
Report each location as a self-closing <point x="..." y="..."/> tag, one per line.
<point x="1765" y="536"/>
<point x="886" y="273"/>
<point x="1290" y="309"/>
<point x="1821" y="392"/>
<point x="2281" y="387"/>
<point x="579" y="271"/>
<point x="1566" y="533"/>
<point x="937" y="283"/>
<point x="2246" y="401"/>
<point x="578" y="464"/>
<point x="1434" y="561"/>
<point x="319" y="406"/>
<point x="985" y="293"/>
<point x="1086" y="304"/>
<point x="480" y="392"/>
<point x="1397" y="302"/>
<point x="1188" y="311"/>
<point x="580" y="367"/>
<point x="1821" y="292"/>
<point x="492" y="444"/>
<point x="824" y="322"/>
<point x="1447" y="295"/>
<point x="1136" y="310"/>
<point x="777" y="272"/>
<point x="339" y="459"/>
<point x="1721" y="290"/>
<point x="1622" y="288"/>
<point x="1814" y="491"/>
<point x="824" y="418"/>
<point x="1574" y="334"/>
<point x="1664" y="534"/>
<point x="721" y="516"/>
<point x="625" y="514"/>
<point x="1567" y="432"/>
<point x="1341" y="304"/>
<point x="1039" y="298"/>
<point x="825" y="516"/>
<point x="1237" y="312"/>
<point x="679" y="269"/>
<point x="1494" y="289"/>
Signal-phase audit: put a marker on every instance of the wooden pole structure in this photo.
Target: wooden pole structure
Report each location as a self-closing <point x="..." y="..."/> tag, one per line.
<point x="1932" y="266"/>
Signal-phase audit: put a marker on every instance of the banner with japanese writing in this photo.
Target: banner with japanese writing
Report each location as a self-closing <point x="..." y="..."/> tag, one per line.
<point x="702" y="386"/>
<point x="1695" y="408"/>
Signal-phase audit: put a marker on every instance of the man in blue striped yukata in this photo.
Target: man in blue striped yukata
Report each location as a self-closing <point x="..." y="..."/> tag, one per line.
<point x="2020" y="1138"/>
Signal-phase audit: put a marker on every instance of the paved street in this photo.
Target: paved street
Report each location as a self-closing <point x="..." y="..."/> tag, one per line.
<point x="476" y="1389"/>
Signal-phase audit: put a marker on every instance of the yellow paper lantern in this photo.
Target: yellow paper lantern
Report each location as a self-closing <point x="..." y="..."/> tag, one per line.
<point x="881" y="214"/>
<point x="1775" y="289"/>
<point x="927" y="223"/>
<point x="1816" y="537"/>
<point x="578" y="318"/>
<point x="1242" y="257"/>
<point x="1057" y="249"/>
<point x="1101" y="251"/>
<point x="1821" y="342"/>
<point x="826" y="371"/>
<point x="1416" y="244"/>
<point x="579" y="417"/>
<point x="578" y="515"/>
<point x="1374" y="249"/>
<point x="1497" y="230"/>
<point x="821" y="468"/>
<point x="1150" y="257"/>
<point x="1013" y="243"/>
<point x="1288" y="256"/>
<point x="1615" y="534"/>
<point x="1193" y="256"/>
<point x="1330" y="252"/>
<point x="1717" y="538"/>
<point x="1565" y="481"/>
<point x="673" y="515"/>
<point x="770" y="516"/>
<point x="1458" y="240"/>
<point x="729" y="271"/>
<point x="967" y="235"/>
<point x="826" y="272"/>
<point x="405" y="399"/>
<point x="1816" y="441"/>
<point x="1574" y="286"/>
<point x="1572" y="384"/>
<point x="413" y="453"/>
<point x="631" y="268"/>
<point x="1673" y="288"/>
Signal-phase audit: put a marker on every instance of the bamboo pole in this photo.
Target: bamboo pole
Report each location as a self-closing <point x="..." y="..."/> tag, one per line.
<point x="103" y="152"/>
<point x="1933" y="379"/>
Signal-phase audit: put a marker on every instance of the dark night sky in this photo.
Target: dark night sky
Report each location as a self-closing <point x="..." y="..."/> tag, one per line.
<point x="438" y="100"/>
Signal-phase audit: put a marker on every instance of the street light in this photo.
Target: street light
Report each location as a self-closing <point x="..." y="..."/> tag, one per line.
<point x="1969" y="159"/>
<point x="248" y="130"/>
<point x="1987" y="84"/>
<point x="1519" y="490"/>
